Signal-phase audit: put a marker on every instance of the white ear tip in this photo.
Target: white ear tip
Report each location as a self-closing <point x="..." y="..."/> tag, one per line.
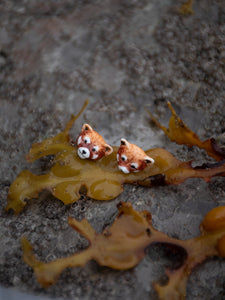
<point x="86" y="127"/>
<point x="108" y="149"/>
<point x="149" y="159"/>
<point x="124" y="142"/>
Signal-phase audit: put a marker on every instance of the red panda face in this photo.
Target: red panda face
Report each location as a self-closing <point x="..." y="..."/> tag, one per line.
<point x="131" y="158"/>
<point x="91" y="145"/>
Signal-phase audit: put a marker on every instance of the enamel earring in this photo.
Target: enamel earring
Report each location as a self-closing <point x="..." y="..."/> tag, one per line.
<point x="131" y="158"/>
<point x="91" y="145"/>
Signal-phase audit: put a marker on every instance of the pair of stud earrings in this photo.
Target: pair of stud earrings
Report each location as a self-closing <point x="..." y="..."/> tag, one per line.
<point x="130" y="157"/>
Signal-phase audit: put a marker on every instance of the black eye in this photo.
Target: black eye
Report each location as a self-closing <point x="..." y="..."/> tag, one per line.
<point x="85" y="141"/>
<point x="93" y="149"/>
<point x="123" y="159"/>
<point x="133" y="167"/>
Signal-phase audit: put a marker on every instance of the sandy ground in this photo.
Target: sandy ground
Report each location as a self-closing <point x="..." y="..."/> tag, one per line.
<point x="124" y="56"/>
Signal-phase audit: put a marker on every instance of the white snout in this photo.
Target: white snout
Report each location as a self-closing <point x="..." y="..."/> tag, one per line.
<point x="83" y="152"/>
<point x="123" y="169"/>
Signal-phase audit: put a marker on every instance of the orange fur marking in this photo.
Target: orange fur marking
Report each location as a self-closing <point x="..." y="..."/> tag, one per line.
<point x="131" y="158"/>
<point x="91" y="145"/>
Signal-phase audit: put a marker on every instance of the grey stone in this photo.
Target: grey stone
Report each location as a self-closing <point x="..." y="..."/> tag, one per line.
<point x="124" y="56"/>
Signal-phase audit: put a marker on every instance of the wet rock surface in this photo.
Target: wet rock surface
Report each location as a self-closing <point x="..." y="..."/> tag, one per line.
<point x="124" y="56"/>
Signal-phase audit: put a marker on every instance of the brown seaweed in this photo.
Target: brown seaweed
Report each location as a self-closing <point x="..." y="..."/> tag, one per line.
<point x="179" y="132"/>
<point x="102" y="180"/>
<point x="187" y="8"/>
<point x="123" y="245"/>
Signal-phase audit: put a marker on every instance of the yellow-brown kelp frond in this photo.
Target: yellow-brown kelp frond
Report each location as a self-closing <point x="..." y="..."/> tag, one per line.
<point x="55" y="144"/>
<point x="187" y="8"/>
<point x="102" y="180"/>
<point x="124" y="244"/>
<point x="179" y="132"/>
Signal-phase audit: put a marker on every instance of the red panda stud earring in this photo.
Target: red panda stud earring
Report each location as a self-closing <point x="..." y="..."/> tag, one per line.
<point x="131" y="158"/>
<point x="91" y="145"/>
